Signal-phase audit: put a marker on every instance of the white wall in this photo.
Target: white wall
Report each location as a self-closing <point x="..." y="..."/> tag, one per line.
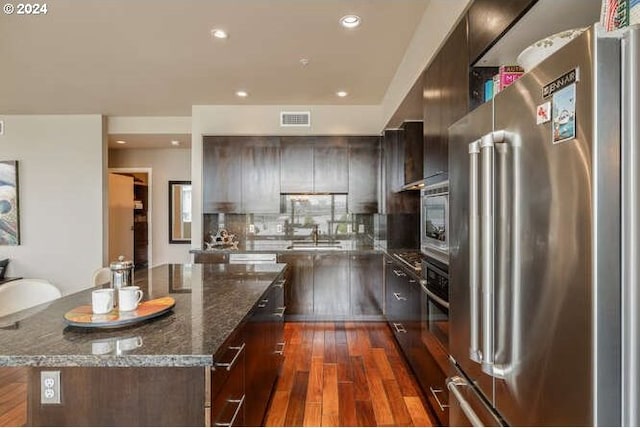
<point x="60" y="197"/>
<point x="166" y="165"/>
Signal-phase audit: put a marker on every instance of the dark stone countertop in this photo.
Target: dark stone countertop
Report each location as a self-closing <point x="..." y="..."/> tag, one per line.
<point x="211" y="301"/>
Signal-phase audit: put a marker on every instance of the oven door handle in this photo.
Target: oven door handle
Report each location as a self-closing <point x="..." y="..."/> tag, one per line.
<point x="439" y="300"/>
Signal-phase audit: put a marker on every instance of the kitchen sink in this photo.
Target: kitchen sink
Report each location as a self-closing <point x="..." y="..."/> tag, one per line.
<point x="310" y="245"/>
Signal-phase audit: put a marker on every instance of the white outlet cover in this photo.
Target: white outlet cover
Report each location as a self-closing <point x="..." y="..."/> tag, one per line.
<point x="50" y="387"/>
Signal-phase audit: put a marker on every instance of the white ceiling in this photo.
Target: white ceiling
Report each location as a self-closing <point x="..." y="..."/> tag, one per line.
<point x="157" y="58"/>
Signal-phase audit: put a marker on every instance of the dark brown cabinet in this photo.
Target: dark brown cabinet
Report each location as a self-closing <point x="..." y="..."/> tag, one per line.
<point x="393" y="172"/>
<point x="366" y="284"/>
<point x="330" y="165"/>
<point x="489" y="20"/>
<point x="413" y="148"/>
<point x="364" y="164"/>
<point x="228" y="384"/>
<point x="210" y="258"/>
<point x="222" y="174"/>
<point x="331" y="285"/>
<point x="296" y="160"/>
<point x="261" y="175"/>
<point x="446" y="99"/>
<point x="299" y="293"/>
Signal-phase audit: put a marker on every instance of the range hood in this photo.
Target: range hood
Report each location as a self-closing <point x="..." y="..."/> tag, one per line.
<point x="415" y="185"/>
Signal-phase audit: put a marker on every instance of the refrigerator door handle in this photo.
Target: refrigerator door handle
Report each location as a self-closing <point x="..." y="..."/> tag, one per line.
<point x="453" y="384"/>
<point x="487" y="248"/>
<point x="474" y="253"/>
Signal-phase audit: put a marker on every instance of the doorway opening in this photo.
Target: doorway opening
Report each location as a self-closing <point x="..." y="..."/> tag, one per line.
<point x="130" y="214"/>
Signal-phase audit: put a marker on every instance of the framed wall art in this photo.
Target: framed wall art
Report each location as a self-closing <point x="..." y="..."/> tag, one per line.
<point x="9" y="214"/>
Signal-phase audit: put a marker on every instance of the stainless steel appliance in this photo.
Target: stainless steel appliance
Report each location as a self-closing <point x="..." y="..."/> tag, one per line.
<point x="544" y="232"/>
<point x="434" y="219"/>
<point x="435" y="303"/>
<point x="412" y="259"/>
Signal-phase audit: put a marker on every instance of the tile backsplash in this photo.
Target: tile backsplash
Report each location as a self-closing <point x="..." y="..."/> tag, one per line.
<point x="298" y="216"/>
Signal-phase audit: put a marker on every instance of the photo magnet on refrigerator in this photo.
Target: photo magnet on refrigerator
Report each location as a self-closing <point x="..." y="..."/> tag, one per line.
<point x="564" y="114"/>
<point x="543" y="113"/>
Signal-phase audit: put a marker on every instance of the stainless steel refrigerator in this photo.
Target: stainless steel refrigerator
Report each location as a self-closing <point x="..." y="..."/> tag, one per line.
<point x="544" y="232"/>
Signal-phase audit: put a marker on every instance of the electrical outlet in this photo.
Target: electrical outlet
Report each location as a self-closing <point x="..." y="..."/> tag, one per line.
<point x="252" y="228"/>
<point x="279" y="228"/>
<point x="50" y="387"/>
<point x="361" y="228"/>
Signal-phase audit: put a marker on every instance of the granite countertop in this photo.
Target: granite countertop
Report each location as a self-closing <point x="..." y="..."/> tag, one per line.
<point x="211" y="301"/>
<point x="283" y="246"/>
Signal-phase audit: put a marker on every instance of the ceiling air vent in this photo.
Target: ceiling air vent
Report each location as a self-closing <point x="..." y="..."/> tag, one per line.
<point x="295" y="118"/>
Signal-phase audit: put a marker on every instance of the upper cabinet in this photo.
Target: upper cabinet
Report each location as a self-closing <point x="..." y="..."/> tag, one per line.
<point x="222" y="174"/>
<point x="296" y="160"/>
<point x="446" y="92"/>
<point x="241" y="174"/>
<point x="364" y="164"/>
<point x="489" y="20"/>
<point x="413" y="151"/>
<point x="261" y="175"/>
<point x="330" y="165"/>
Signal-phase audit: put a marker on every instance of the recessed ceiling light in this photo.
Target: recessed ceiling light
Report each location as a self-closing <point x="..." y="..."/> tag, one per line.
<point x="175" y="143"/>
<point x="342" y="94"/>
<point x="242" y="94"/>
<point x="350" y="21"/>
<point x="121" y="142"/>
<point x="219" y="34"/>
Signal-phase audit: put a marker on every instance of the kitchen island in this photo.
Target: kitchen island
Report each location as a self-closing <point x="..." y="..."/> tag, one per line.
<point x="178" y="369"/>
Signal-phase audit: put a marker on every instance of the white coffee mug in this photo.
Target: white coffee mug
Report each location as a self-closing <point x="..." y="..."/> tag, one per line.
<point x="128" y="298"/>
<point x="102" y="301"/>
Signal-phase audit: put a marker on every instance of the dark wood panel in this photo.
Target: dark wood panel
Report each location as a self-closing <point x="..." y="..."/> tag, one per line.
<point x="489" y="20"/>
<point x="433" y="118"/>
<point x="413" y="151"/>
<point x="366" y="284"/>
<point x="222" y="174"/>
<point x="330" y="165"/>
<point x="125" y="397"/>
<point x="296" y="160"/>
<point x="210" y="258"/>
<point x="393" y="163"/>
<point x="331" y="285"/>
<point x="261" y="175"/>
<point x="364" y="163"/>
<point x="299" y="293"/>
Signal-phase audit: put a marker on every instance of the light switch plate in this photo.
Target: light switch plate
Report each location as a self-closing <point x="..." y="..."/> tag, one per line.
<point x="279" y="228"/>
<point x="1" y="127"/>
<point x="361" y="228"/>
<point x="252" y="228"/>
<point x="50" y="387"/>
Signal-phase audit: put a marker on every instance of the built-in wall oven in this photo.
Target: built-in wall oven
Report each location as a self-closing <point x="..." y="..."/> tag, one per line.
<point x="434" y="221"/>
<point x="435" y="302"/>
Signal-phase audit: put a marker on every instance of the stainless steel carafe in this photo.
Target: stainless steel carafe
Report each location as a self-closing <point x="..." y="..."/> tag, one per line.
<point x="121" y="273"/>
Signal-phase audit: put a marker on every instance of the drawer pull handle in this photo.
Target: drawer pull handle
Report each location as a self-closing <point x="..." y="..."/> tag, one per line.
<point x="280" y="351"/>
<point x="399" y="272"/>
<point x="263" y="303"/>
<point x="235" y="414"/>
<point x="230" y="364"/>
<point x="399" y="327"/>
<point x="399" y="296"/>
<point x="435" y="393"/>
<point x="280" y="312"/>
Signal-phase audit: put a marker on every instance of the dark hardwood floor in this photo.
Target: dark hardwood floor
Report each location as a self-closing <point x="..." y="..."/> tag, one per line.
<point x="13" y="396"/>
<point x="344" y="374"/>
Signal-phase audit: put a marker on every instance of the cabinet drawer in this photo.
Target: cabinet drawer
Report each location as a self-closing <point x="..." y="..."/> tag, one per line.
<point x="227" y="386"/>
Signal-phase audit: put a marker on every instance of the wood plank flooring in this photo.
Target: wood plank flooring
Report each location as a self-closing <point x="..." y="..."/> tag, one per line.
<point x="13" y="396"/>
<point x="344" y="374"/>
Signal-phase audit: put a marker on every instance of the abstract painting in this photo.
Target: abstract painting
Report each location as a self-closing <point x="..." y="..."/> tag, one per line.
<point x="9" y="224"/>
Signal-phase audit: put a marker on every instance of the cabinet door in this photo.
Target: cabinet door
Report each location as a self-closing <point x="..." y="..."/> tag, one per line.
<point x="364" y="161"/>
<point x="393" y="164"/>
<point x="433" y="139"/>
<point x="403" y="306"/>
<point x="330" y="165"/>
<point x="331" y="285"/>
<point x="296" y="160"/>
<point x="489" y="19"/>
<point x="210" y="258"/>
<point x="222" y="174"/>
<point x="261" y="175"/>
<point x="299" y="290"/>
<point x="228" y="384"/>
<point x="413" y="147"/>
<point x="365" y="283"/>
